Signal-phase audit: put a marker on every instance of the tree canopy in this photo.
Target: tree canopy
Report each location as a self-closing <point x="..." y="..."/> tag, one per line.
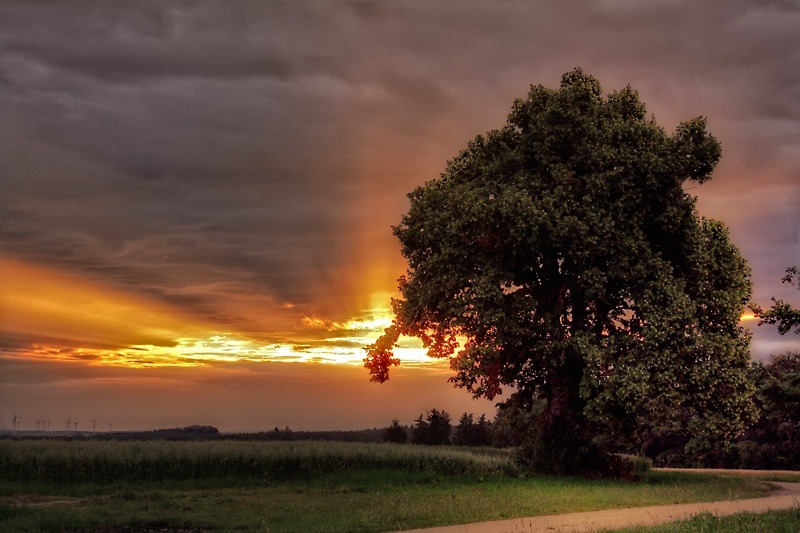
<point x="560" y="256"/>
<point x="434" y="429"/>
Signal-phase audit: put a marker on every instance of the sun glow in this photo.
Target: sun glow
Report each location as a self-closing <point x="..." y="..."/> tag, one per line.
<point x="227" y="348"/>
<point x="348" y="339"/>
<point x="71" y="319"/>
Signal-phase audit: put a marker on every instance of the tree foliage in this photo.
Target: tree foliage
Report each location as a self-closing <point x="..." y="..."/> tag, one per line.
<point x="781" y="313"/>
<point x="777" y="432"/>
<point x="564" y="249"/>
<point x="434" y="429"/>
<point x="771" y="442"/>
<point x="395" y="433"/>
<point x="471" y="432"/>
<point x="774" y="440"/>
<point x="515" y="420"/>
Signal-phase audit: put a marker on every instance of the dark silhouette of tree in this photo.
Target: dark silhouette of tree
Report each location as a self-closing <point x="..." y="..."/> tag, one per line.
<point x="774" y="440"/>
<point x="564" y="248"/>
<point x="483" y="432"/>
<point x="433" y="429"/>
<point x="781" y="313"/>
<point x="420" y="431"/>
<point x="465" y="430"/>
<point x="471" y="432"/>
<point x="395" y="433"/>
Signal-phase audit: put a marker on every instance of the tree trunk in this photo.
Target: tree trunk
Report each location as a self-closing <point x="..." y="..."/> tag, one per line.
<point x="561" y="442"/>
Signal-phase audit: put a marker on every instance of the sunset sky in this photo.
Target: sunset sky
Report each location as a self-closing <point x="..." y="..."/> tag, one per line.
<point x="196" y="198"/>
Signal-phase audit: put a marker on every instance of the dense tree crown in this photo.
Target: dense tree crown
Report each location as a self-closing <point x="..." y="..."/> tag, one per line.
<point x="565" y="251"/>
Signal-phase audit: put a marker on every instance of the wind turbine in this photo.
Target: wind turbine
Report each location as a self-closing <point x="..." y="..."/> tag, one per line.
<point x="68" y="421"/>
<point x="76" y="426"/>
<point x="94" y="421"/>
<point x="15" y="423"/>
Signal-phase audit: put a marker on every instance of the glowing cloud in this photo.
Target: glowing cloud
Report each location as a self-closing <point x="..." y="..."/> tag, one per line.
<point x="57" y="316"/>
<point x="38" y="303"/>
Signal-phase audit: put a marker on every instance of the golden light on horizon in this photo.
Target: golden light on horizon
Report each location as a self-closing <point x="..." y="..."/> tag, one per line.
<point x="228" y="348"/>
<point x="72" y="318"/>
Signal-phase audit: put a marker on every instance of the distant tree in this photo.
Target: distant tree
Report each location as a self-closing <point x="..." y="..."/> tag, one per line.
<point x="771" y="442"/>
<point x="395" y="433"/>
<point x="566" y="252"/>
<point x="774" y="440"/>
<point x="433" y="429"/>
<point x="420" y="431"/>
<point x="483" y="432"/>
<point x="465" y="430"/>
<point x="781" y="313"/>
<point x="470" y="432"/>
<point x="281" y="434"/>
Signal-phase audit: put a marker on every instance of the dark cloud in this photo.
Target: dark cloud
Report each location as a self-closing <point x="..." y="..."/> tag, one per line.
<point x="256" y="153"/>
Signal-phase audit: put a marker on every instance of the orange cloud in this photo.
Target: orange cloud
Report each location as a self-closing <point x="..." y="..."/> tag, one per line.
<point x="39" y="303"/>
<point x="56" y="316"/>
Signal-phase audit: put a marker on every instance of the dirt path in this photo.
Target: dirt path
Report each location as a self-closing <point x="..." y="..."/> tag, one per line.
<point x="786" y="497"/>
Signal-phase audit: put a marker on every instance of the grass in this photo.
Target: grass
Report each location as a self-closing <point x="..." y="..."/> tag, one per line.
<point x="235" y="486"/>
<point x="773" y="522"/>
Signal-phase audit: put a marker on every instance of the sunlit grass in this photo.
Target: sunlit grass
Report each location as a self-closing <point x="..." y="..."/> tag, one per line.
<point x="360" y="500"/>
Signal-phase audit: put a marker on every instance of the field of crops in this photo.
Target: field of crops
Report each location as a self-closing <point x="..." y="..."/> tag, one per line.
<point x="104" y="461"/>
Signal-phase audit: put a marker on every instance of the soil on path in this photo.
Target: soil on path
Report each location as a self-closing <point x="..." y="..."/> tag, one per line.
<point x="786" y="496"/>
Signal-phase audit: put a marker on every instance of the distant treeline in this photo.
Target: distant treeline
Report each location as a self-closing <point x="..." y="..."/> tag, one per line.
<point x="772" y="442"/>
<point x="287" y="434"/>
<point x="198" y="432"/>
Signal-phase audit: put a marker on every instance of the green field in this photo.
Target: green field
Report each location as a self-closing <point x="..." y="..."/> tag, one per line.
<point x="301" y="486"/>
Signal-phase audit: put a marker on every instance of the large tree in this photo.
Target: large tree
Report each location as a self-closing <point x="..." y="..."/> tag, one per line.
<point x="560" y="256"/>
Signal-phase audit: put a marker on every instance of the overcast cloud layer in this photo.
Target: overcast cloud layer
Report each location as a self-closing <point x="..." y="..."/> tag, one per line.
<point x="245" y="160"/>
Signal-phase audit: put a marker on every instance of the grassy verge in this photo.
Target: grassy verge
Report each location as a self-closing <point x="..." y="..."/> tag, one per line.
<point x="321" y="487"/>
<point x="791" y="478"/>
<point x="773" y="522"/>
